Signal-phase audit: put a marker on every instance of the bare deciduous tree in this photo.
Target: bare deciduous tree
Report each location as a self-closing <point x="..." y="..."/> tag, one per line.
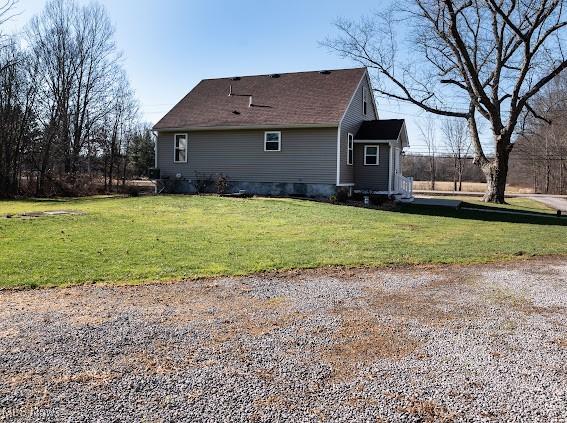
<point x="51" y="39"/>
<point x="118" y="125"/>
<point x="141" y="150"/>
<point x="540" y="156"/>
<point x="488" y="57"/>
<point x="7" y="12"/>
<point x="16" y="116"/>
<point x="16" y="99"/>
<point x="457" y="142"/>
<point x="67" y="112"/>
<point x="428" y="135"/>
<point x="80" y="85"/>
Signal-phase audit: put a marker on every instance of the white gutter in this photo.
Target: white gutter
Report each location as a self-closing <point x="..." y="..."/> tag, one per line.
<point x="230" y="128"/>
<point x="156" y="136"/>
<point x="339" y="154"/>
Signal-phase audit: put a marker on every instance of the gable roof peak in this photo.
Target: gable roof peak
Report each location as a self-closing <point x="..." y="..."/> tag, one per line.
<point x="294" y="98"/>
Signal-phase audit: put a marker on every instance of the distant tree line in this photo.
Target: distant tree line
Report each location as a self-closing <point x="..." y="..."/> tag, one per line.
<point x="448" y="154"/>
<point x="419" y="167"/>
<point x="538" y="161"/>
<point x="69" y="120"/>
<point x="540" y="156"/>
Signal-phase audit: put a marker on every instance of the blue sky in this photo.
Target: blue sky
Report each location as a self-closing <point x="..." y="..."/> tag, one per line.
<point x="170" y="45"/>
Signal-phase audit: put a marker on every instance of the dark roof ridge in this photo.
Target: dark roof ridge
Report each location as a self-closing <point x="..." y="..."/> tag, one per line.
<point x="282" y="73"/>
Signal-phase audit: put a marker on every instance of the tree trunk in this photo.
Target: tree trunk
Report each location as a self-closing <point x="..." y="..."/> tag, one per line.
<point x="455" y="172"/>
<point x="432" y="171"/>
<point x="124" y="172"/>
<point x="460" y="174"/>
<point x="561" y="175"/>
<point x="496" y="172"/>
<point x="105" y="172"/>
<point x="534" y="170"/>
<point x="547" y="175"/>
<point x="111" y="170"/>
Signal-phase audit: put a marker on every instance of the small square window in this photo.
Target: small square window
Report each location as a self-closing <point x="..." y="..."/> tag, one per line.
<point x="180" y="148"/>
<point x="371" y="155"/>
<point x="272" y="141"/>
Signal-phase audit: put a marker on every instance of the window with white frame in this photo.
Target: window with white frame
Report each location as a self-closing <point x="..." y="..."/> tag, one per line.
<point x="364" y="102"/>
<point x="371" y="155"/>
<point x="273" y="141"/>
<point x="350" y="149"/>
<point x="180" y="148"/>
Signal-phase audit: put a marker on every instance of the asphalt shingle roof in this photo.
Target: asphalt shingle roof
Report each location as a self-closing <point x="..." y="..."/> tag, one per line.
<point x="382" y="130"/>
<point x="302" y="98"/>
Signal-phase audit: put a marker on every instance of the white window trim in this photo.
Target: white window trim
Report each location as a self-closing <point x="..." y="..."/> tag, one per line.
<point x="364" y="101"/>
<point x="279" y="141"/>
<point x="175" y="148"/>
<point x="377" y="155"/>
<point x="350" y="147"/>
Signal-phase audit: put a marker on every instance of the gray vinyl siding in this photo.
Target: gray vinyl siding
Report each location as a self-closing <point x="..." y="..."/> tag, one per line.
<point x="372" y="178"/>
<point x="350" y="124"/>
<point x="307" y="155"/>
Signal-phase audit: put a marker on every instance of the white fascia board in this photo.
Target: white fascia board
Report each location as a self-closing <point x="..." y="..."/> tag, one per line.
<point x="372" y="95"/>
<point x="340" y="124"/>
<point x="352" y="97"/>
<point x="231" y="128"/>
<point x="404" y="136"/>
<point x="374" y="141"/>
<point x="156" y="138"/>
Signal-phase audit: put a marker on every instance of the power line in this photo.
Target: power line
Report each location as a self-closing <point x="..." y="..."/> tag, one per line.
<point x="469" y="157"/>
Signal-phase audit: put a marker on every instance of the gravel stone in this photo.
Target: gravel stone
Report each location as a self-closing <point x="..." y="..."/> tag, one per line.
<point x="468" y="344"/>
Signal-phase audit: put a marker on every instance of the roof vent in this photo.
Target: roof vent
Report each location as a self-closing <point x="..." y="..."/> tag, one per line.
<point x="236" y="78"/>
<point x="235" y="112"/>
<point x="275" y="75"/>
<point x="325" y="72"/>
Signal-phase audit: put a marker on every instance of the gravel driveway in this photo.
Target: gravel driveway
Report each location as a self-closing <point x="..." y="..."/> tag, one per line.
<point x="480" y="343"/>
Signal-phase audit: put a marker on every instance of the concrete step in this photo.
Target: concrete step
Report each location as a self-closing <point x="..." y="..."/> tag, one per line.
<point x="403" y="198"/>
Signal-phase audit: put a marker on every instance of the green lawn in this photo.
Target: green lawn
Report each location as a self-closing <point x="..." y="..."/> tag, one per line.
<point x="175" y="237"/>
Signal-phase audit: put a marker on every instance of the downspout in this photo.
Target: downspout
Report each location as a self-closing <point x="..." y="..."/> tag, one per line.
<point x="156" y="136"/>
<point x="339" y="155"/>
<point x="390" y="169"/>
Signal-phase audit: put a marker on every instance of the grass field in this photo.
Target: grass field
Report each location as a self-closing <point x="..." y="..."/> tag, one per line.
<point x="467" y="187"/>
<point x="176" y="237"/>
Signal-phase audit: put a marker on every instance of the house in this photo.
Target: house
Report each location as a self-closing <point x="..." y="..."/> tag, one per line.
<point x="304" y="133"/>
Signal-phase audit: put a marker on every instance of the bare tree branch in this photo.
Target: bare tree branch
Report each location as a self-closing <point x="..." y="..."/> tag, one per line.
<point x="497" y="53"/>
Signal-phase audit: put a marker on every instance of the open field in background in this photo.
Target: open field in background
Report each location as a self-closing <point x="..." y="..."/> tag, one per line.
<point x="467" y="187"/>
<point x="178" y="237"/>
